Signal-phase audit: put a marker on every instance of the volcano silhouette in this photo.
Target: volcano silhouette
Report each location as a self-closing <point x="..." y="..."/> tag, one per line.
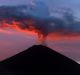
<point x="39" y="60"/>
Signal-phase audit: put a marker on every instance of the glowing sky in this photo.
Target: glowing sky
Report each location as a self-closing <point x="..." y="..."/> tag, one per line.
<point x="13" y="42"/>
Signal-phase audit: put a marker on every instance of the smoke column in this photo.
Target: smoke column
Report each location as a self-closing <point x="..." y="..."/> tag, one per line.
<point x="36" y="18"/>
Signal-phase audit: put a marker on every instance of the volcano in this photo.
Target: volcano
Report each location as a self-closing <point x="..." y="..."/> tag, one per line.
<point x="39" y="60"/>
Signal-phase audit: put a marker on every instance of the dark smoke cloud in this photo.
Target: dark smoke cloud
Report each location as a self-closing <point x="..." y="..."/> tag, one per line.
<point x="65" y="25"/>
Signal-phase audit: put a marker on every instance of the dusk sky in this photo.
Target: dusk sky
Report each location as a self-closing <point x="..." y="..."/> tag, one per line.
<point x="73" y="4"/>
<point x="13" y="42"/>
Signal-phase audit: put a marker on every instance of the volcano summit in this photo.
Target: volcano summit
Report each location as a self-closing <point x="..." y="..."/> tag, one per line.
<point x="39" y="60"/>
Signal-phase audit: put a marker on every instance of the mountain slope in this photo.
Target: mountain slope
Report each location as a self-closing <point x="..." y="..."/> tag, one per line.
<point x="39" y="60"/>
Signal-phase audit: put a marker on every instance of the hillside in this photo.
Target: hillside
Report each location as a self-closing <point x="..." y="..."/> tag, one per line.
<point x="39" y="60"/>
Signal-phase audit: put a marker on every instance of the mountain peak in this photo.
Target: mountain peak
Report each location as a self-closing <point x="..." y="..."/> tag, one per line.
<point x="39" y="60"/>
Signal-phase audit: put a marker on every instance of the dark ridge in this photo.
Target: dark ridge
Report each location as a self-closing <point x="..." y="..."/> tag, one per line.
<point x="39" y="60"/>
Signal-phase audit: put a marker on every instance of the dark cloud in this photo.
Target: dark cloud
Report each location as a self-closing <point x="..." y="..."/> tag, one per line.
<point x="64" y="25"/>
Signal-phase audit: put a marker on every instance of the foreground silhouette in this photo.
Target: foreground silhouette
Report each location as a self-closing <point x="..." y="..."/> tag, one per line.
<point x="39" y="60"/>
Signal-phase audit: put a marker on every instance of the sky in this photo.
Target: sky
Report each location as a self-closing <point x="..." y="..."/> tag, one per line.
<point x="13" y="42"/>
<point x="13" y="2"/>
<point x="73" y="4"/>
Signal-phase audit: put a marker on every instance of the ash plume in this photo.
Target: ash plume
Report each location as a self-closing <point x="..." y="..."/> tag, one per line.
<point x="27" y="17"/>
